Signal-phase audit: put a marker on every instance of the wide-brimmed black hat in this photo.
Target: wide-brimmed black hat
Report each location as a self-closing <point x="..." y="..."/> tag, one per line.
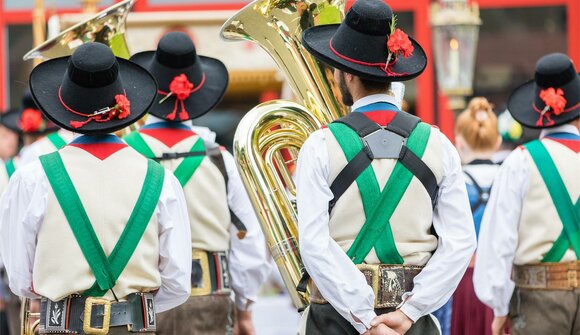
<point x="196" y="84"/>
<point x="92" y="92"/>
<point x="361" y="44"/>
<point x="552" y="98"/>
<point x="28" y="119"/>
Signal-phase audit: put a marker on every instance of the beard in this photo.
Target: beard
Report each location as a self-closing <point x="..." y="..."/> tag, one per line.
<point x="344" y="92"/>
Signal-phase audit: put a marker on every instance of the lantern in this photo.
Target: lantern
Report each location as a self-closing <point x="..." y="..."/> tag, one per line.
<point x="455" y="32"/>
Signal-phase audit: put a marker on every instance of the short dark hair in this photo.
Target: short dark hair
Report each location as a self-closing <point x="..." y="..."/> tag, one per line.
<point x="375" y="86"/>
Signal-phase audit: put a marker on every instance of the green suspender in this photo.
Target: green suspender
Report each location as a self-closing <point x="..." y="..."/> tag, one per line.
<point x="105" y="269"/>
<point x="10" y="168"/>
<point x="184" y="171"/>
<point x="379" y="206"/>
<point x="56" y="140"/>
<point x="568" y="212"/>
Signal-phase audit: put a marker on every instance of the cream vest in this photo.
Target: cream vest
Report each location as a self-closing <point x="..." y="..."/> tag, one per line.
<point x="540" y="224"/>
<point x="412" y="220"/>
<point x="108" y="190"/>
<point x="205" y="194"/>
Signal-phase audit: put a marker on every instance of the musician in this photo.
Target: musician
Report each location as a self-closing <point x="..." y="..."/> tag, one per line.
<point x="40" y="135"/>
<point x="413" y="241"/>
<point x="95" y="230"/>
<point x="527" y="268"/>
<point x="228" y="246"/>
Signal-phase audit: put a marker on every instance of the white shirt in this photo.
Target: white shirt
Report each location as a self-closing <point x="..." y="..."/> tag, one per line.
<point x="336" y="276"/>
<point x="22" y="209"/>
<point x="248" y="264"/>
<point x="498" y="236"/>
<point x="30" y="153"/>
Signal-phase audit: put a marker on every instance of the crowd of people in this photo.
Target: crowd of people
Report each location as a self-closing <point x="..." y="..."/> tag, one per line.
<point x="401" y="231"/>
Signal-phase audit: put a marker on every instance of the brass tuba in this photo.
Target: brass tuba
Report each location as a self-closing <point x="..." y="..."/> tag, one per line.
<point x="268" y="138"/>
<point x="107" y="27"/>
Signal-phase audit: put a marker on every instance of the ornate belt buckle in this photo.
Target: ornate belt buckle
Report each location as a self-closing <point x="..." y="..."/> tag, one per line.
<point x="89" y="303"/>
<point x="200" y="285"/>
<point x="371" y="273"/>
<point x="392" y="286"/>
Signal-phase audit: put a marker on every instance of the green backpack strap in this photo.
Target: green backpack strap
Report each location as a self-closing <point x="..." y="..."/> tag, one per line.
<point x="56" y="140"/>
<point x="105" y="269"/>
<point x="568" y="212"/>
<point x="379" y="206"/>
<point x="10" y="167"/>
<point x="136" y="141"/>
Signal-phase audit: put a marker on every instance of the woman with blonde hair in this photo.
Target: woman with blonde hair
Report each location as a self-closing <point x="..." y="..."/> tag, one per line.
<point x="477" y="138"/>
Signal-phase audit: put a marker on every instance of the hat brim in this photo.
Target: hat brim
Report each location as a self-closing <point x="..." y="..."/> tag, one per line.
<point x="521" y="107"/>
<point x="199" y="102"/>
<point x="11" y="120"/>
<point x="317" y="41"/>
<point x="45" y="80"/>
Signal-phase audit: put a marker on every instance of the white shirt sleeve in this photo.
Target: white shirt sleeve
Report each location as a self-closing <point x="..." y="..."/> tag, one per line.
<point x="498" y="235"/>
<point x="248" y="265"/>
<point x="335" y="275"/>
<point x="22" y="209"/>
<point x="174" y="246"/>
<point x="453" y="222"/>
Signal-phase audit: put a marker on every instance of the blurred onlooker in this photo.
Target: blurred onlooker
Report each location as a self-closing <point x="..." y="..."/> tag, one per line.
<point x="9" y="140"/>
<point x="477" y="139"/>
<point x="511" y="132"/>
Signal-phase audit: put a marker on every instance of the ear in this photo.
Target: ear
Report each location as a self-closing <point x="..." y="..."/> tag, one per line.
<point x="349" y="77"/>
<point x="459" y="142"/>
<point x="498" y="143"/>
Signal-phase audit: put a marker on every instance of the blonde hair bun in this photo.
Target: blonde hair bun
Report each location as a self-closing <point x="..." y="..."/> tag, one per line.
<point x="478" y="125"/>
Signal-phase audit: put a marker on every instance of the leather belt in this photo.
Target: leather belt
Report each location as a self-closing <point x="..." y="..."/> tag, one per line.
<point x="389" y="282"/>
<point x="547" y="276"/>
<point x="210" y="273"/>
<point x="88" y="315"/>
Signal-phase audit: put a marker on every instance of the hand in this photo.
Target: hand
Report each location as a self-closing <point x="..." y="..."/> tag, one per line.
<point x="382" y="329"/>
<point x="498" y="325"/>
<point x="244" y="324"/>
<point x="397" y="321"/>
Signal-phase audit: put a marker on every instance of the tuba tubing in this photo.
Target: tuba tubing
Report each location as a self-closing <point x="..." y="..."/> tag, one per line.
<point x="269" y="137"/>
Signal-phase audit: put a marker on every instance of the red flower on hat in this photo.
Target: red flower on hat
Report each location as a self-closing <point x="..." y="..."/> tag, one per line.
<point x="554" y="98"/>
<point x="31" y="120"/>
<point x="123" y="106"/>
<point x="181" y="87"/>
<point x="400" y="44"/>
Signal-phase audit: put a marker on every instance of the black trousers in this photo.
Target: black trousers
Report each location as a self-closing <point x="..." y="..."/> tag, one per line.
<point x="323" y="319"/>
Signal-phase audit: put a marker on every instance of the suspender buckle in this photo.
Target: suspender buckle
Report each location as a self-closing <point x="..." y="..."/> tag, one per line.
<point x="89" y="304"/>
<point x="384" y="144"/>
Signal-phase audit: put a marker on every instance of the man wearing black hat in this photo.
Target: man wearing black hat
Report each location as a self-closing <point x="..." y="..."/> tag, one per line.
<point x="95" y="230"/>
<point x="528" y="259"/>
<point x="39" y="135"/>
<point x="384" y="220"/>
<point x="228" y="246"/>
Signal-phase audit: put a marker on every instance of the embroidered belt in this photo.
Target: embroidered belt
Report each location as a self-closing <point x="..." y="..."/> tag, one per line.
<point x="389" y="282"/>
<point x="89" y="315"/>
<point x="547" y="276"/>
<point x="210" y="273"/>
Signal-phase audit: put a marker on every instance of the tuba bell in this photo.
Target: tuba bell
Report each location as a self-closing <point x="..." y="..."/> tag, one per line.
<point x="107" y="27"/>
<point x="268" y="138"/>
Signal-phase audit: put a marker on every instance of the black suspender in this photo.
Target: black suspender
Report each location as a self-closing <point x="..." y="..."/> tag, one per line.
<point x="482" y="196"/>
<point x="402" y="125"/>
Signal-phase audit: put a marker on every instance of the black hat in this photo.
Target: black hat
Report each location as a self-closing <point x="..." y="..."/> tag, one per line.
<point x="92" y="92"/>
<point x="195" y="84"/>
<point x="364" y="42"/>
<point x="28" y="119"/>
<point x="552" y="98"/>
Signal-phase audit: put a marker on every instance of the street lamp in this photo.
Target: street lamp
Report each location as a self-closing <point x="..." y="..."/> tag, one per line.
<point x="455" y="32"/>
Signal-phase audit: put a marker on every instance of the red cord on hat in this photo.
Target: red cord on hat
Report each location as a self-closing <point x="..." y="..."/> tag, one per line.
<point x="120" y="110"/>
<point x="181" y="88"/>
